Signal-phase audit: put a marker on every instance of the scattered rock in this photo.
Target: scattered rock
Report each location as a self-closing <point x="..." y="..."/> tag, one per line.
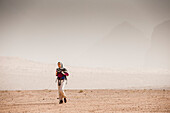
<point x="81" y="91"/>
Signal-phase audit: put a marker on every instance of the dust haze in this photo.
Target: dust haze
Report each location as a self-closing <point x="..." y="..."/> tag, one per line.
<point x="125" y="40"/>
<point x="111" y="33"/>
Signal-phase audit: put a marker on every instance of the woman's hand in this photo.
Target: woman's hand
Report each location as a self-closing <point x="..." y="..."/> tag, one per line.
<point x="56" y="80"/>
<point x="62" y="73"/>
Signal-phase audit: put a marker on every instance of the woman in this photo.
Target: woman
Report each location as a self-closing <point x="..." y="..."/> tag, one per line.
<point x="61" y="74"/>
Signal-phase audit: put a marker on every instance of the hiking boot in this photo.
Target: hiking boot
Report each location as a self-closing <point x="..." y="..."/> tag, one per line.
<point x="65" y="100"/>
<point x="61" y="101"/>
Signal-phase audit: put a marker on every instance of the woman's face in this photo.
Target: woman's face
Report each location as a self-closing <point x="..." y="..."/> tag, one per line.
<point x="59" y="65"/>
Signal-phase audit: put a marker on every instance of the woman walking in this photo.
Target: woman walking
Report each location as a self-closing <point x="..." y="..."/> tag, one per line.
<point x="61" y="74"/>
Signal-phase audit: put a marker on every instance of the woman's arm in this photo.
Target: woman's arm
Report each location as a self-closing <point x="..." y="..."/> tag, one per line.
<point x="56" y="73"/>
<point x="66" y="74"/>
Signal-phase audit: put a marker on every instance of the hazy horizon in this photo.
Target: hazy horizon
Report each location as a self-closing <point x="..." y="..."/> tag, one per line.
<point x="67" y="31"/>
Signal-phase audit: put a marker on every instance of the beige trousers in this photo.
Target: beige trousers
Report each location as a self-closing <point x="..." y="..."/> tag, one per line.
<point x="61" y="90"/>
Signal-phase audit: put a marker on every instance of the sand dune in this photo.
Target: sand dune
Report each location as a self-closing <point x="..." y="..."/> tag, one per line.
<point x="21" y="74"/>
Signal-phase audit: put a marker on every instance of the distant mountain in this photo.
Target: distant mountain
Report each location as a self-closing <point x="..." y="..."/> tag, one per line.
<point x="124" y="46"/>
<point x="159" y="52"/>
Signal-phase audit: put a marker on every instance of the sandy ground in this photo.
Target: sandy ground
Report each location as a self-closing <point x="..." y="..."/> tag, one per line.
<point x="104" y="101"/>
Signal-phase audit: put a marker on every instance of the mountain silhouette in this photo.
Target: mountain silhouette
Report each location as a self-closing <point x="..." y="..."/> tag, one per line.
<point x="124" y="46"/>
<point x="159" y="52"/>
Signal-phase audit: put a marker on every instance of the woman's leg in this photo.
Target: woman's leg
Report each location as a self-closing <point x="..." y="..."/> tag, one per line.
<point x="60" y="98"/>
<point x="63" y="95"/>
<point x="60" y="95"/>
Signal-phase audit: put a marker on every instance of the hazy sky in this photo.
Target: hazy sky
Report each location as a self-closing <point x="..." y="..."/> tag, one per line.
<point x="50" y="30"/>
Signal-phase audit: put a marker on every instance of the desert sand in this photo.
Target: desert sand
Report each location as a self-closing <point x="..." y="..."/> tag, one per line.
<point x="82" y="101"/>
<point x="23" y="83"/>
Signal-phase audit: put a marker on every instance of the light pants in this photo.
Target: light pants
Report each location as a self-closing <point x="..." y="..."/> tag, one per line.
<point x="61" y="90"/>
